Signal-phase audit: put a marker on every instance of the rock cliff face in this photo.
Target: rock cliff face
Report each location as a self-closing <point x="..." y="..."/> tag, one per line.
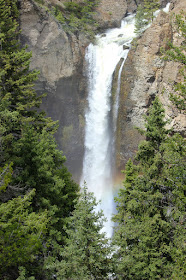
<point x="111" y="12"/>
<point x="60" y="59"/>
<point x="144" y="76"/>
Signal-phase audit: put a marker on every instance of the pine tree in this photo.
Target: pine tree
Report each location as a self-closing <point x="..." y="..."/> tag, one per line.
<point x="86" y="255"/>
<point x="21" y="235"/>
<point x="140" y="22"/>
<point x="29" y="158"/>
<point x="17" y="97"/>
<point x="145" y="14"/>
<point x="151" y="206"/>
<point x="155" y="134"/>
<point x="173" y="182"/>
<point x="150" y="6"/>
<point x="41" y="166"/>
<point x="177" y="54"/>
<point x="26" y="136"/>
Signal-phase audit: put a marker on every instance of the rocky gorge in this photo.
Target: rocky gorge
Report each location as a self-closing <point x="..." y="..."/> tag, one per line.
<point x="59" y="56"/>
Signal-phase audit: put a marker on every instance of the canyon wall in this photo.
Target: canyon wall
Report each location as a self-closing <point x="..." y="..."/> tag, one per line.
<point x="145" y="75"/>
<point x="60" y="58"/>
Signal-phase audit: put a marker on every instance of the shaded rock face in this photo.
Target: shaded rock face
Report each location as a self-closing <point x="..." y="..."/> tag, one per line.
<point x="109" y="13"/>
<point x="59" y="57"/>
<point x="144" y="76"/>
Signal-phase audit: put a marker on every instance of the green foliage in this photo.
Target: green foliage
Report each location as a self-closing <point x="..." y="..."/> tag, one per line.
<point x="155" y="133"/>
<point x="58" y="14"/>
<point x="177" y="54"/>
<point x="86" y="254"/>
<point x="149" y="234"/>
<point x="150" y="6"/>
<point x="23" y="276"/>
<point x="40" y="1"/>
<point x="29" y="159"/>
<point x="21" y="232"/>
<point x="5" y="176"/>
<point x="17" y="98"/>
<point x="41" y="167"/>
<point x="140" y="21"/>
<point x="145" y="14"/>
<point x="77" y="17"/>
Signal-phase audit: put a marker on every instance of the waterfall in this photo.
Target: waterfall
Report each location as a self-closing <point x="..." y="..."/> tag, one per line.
<point x="100" y="127"/>
<point x="102" y="58"/>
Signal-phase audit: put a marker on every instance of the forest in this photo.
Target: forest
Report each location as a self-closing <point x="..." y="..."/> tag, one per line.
<point x="49" y="228"/>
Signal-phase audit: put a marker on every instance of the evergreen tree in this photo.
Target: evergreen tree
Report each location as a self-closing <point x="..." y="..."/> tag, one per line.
<point x="21" y="235"/>
<point x="17" y="98"/>
<point x="145" y="14"/>
<point x="149" y="234"/>
<point x="26" y="136"/>
<point x="140" y="22"/>
<point x="177" y="54"/>
<point x="86" y="255"/>
<point x="41" y="166"/>
<point x="29" y="159"/>
<point x="155" y="134"/>
<point x="150" y="6"/>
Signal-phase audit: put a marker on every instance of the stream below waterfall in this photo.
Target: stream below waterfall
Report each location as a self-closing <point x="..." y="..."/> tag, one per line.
<point x="102" y="58"/>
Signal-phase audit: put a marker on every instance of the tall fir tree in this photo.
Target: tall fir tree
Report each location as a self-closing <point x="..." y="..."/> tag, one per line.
<point x="21" y="234"/>
<point x="149" y="231"/>
<point x="23" y="127"/>
<point x="140" y="22"/>
<point x="87" y="254"/>
<point x="18" y="99"/>
<point x="29" y="158"/>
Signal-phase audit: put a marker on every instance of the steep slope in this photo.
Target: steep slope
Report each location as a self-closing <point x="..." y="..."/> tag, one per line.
<point x="59" y="57"/>
<point x="144" y="76"/>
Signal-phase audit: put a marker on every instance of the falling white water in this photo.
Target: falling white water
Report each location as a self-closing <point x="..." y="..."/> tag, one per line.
<point x="116" y="101"/>
<point x="102" y="59"/>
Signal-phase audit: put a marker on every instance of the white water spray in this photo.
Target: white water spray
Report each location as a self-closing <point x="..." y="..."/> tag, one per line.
<point x="102" y="59"/>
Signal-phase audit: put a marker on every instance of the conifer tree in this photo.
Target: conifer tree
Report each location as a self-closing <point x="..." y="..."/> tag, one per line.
<point x="177" y="54"/>
<point x="140" y="22"/>
<point x="150" y="6"/>
<point x="17" y="97"/>
<point x="151" y="206"/>
<point x="41" y="166"/>
<point x="21" y="235"/>
<point x="26" y="136"/>
<point x="155" y="133"/>
<point x="145" y="14"/>
<point x="86" y="255"/>
<point x="29" y="158"/>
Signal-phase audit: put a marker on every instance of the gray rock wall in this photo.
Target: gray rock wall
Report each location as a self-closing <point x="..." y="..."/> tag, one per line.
<point x="59" y="57"/>
<point x="144" y="76"/>
<point x="111" y="12"/>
